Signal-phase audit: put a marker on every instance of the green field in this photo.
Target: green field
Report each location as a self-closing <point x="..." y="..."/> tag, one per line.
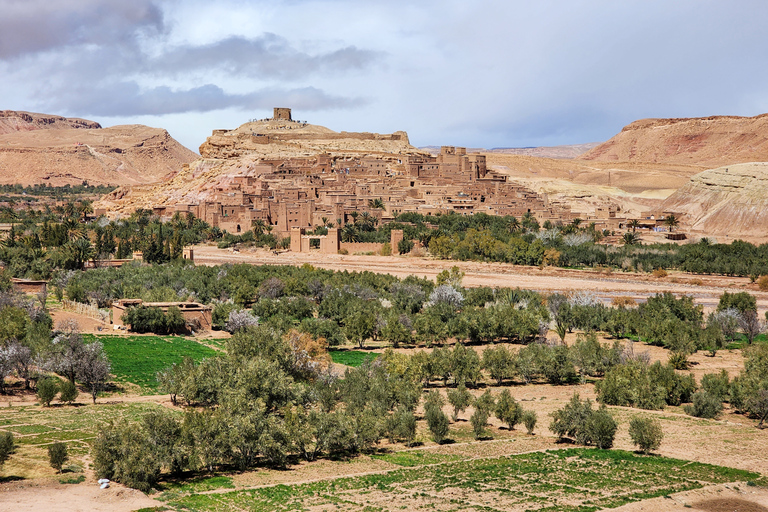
<point x="137" y="359"/>
<point x="562" y="480"/>
<point x="350" y="357"/>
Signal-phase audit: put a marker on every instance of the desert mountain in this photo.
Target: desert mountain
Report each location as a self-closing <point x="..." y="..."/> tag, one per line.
<point x="40" y="148"/>
<point x="227" y="154"/>
<point x="707" y="141"/>
<point x="12" y="121"/>
<point x="728" y="201"/>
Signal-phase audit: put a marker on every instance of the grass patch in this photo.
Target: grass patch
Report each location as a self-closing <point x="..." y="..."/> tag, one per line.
<point x="72" y="480"/>
<point x="415" y="458"/>
<point x="137" y="359"/>
<point x="569" y="480"/>
<point x="352" y="358"/>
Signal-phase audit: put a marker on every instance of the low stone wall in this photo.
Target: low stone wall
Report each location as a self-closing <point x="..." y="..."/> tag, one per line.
<point x="353" y="247"/>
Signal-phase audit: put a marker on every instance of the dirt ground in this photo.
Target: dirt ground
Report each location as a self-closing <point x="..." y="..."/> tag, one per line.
<point x="50" y="495"/>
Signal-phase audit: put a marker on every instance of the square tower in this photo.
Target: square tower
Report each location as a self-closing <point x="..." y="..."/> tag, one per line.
<point x="282" y="114"/>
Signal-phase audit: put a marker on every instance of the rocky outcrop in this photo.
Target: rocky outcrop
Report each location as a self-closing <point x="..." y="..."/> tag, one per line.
<point x="710" y="141"/>
<point x="273" y="139"/>
<point x="12" y="121"/>
<point x="36" y="148"/>
<point x="728" y="201"/>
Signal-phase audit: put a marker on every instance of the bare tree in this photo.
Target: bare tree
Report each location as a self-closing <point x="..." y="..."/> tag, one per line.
<point x="21" y="359"/>
<point x="68" y="350"/>
<point x="751" y="325"/>
<point x="6" y="366"/>
<point x="240" y="319"/>
<point x="93" y="368"/>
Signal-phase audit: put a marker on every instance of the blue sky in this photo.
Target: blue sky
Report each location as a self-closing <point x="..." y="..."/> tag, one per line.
<point x="474" y="73"/>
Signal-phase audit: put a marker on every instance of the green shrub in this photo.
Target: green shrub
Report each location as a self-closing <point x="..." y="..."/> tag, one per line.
<point x="646" y="433"/>
<point x="7" y="445"/>
<point x="717" y="384"/>
<point x="459" y="398"/>
<point x="601" y="429"/>
<point x="46" y="390"/>
<point x="57" y="455"/>
<point x="437" y="422"/>
<point x="571" y="420"/>
<point x="705" y="405"/>
<point x="529" y="420"/>
<point x="479" y="420"/>
<point x="508" y="410"/>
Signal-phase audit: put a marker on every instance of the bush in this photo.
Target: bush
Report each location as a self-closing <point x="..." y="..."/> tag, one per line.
<point x="601" y="429"/>
<point x="529" y="420"/>
<point x="404" y="246"/>
<point x="459" y="398"/>
<point x="57" y="455"/>
<point x="508" y="410"/>
<point x="646" y="433"/>
<point x="479" y="420"/>
<point x="7" y="445"/>
<point x="46" y="390"/>
<point x="386" y="249"/>
<point x="762" y="283"/>
<point x="68" y="392"/>
<point x="705" y="405"/>
<point x="571" y="420"/>
<point x="437" y="422"/>
<point x="659" y="273"/>
<point x="717" y="384"/>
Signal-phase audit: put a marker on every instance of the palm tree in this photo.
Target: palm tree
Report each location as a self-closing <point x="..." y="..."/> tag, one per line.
<point x="634" y="224"/>
<point x="630" y="238"/>
<point x="377" y="203"/>
<point x="514" y="225"/>
<point x="259" y="226"/>
<point x="671" y="222"/>
<point x="349" y="233"/>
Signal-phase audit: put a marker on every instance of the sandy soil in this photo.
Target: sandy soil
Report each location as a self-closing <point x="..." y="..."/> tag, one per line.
<point x="716" y="498"/>
<point x="50" y="495"/>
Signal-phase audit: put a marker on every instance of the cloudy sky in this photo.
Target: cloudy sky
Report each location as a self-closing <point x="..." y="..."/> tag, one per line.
<point x="478" y="73"/>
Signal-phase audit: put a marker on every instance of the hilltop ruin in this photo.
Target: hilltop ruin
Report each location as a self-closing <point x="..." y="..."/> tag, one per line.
<point x="289" y="174"/>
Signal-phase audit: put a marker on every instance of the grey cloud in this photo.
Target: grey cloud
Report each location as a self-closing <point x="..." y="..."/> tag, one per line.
<point x="268" y="56"/>
<point x="30" y="26"/>
<point x="128" y="99"/>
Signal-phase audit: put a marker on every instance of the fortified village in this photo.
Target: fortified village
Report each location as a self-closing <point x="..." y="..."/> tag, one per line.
<point x="292" y="177"/>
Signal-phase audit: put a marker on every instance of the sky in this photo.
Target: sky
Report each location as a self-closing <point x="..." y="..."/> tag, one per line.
<point x="474" y="73"/>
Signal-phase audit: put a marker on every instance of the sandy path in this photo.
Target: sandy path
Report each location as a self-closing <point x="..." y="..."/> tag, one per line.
<point x="50" y="495"/>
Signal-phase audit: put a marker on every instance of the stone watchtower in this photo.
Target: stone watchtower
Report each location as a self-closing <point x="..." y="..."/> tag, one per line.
<point x="282" y="114"/>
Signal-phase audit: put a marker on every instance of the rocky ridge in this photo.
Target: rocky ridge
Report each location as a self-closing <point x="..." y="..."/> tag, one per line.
<point x="39" y="148"/>
<point x="728" y="201"/>
<point x="707" y="141"/>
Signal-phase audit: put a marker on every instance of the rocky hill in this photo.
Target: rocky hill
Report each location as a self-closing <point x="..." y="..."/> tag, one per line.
<point x="728" y="201"/>
<point x="708" y="141"/>
<point x="40" y="148"/>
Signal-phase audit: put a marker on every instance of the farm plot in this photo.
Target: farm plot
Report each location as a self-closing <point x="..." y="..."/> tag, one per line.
<point x="352" y="358"/>
<point x="563" y="480"/>
<point x="137" y="359"/>
<point x="34" y="428"/>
